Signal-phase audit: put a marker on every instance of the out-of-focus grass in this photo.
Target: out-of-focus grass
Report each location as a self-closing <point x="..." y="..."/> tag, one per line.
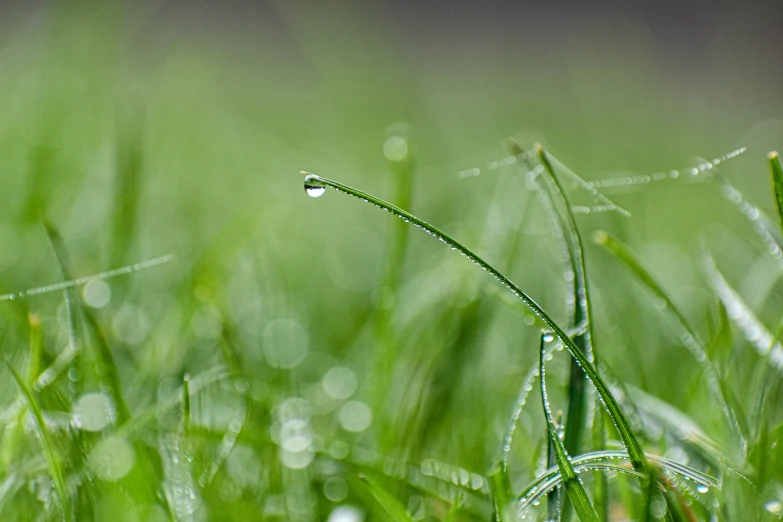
<point x="319" y="342"/>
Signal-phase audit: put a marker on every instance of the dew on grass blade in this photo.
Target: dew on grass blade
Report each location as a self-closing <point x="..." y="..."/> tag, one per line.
<point x="346" y="514"/>
<point x="313" y="185"/>
<point x="335" y="489"/>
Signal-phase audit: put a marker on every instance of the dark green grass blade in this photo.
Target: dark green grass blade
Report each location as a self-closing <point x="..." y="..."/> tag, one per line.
<point x="687" y="334"/>
<point x="52" y="459"/>
<point x="777" y="181"/>
<point x="573" y="486"/>
<point x="576" y="418"/>
<point x="387" y="501"/>
<point x="635" y="452"/>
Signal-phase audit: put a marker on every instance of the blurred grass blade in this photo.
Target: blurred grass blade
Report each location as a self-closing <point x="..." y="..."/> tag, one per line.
<point x="316" y="185"/>
<point x="573" y="485"/>
<point x="61" y="254"/>
<point x="388" y="502"/>
<point x="688" y="336"/>
<point x="100" y="354"/>
<point x="52" y="458"/>
<point x="777" y="181"/>
<point x="751" y="327"/>
<point x="453" y="513"/>
<point x="36" y="348"/>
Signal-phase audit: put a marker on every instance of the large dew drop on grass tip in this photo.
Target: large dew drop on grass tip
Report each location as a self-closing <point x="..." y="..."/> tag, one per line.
<point x="313" y="185"/>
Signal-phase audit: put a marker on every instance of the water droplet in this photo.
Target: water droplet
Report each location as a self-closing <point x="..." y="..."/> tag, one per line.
<point x="775" y="507"/>
<point x="313" y="186"/>
<point x="702" y="488"/>
<point x="96" y="294"/>
<point x="548" y="337"/>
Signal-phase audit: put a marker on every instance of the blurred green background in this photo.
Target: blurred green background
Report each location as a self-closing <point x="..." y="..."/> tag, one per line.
<point x="318" y="328"/>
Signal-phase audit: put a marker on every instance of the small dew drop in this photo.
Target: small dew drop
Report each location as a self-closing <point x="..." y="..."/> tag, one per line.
<point x="702" y="488"/>
<point x="548" y="337"/>
<point x="313" y="186"/>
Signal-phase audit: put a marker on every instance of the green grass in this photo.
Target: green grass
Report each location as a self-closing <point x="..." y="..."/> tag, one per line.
<point x="189" y="337"/>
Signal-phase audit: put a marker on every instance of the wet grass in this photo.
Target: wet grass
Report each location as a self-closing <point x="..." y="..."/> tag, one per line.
<point x="315" y="359"/>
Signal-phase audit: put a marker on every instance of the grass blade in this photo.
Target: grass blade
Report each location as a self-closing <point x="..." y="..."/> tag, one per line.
<point x="52" y="459"/>
<point x="777" y="181"/>
<point x="688" y="336"/>
<point x="752" y="328"/>
<point x="451" y="516"/>
<point x="573" y="486"/>
<point x="576" y="418"/>
<point x="606" y="461"/>
<point x="387" y="501"/>
<point x="316" y="185"/>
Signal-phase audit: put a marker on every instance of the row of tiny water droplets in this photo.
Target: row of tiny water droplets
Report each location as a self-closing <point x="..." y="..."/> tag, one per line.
<point x="64" y="285"/>
<point x="761" y="223"/>
<point x="645" y="179"/>
<point x="603" y="461"/>
<point x="753" y="329"/>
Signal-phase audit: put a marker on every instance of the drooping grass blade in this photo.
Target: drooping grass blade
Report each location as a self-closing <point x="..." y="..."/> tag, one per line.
<point x="316" y="186"/>
<point x="573" y="486"/>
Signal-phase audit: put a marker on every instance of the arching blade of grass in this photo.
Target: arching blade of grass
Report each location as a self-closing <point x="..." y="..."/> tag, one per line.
<point x="573" y="486"/>
<point x="688" y="336"/>
<point x="752" y="328"/>
<point x="606" y="461"/>
<point x="61" y="254"/>
<point x="388" y="502"/>
<point x="315" y="186"/>
<point x="777" y="181"/>
<point x="52" y="459"/>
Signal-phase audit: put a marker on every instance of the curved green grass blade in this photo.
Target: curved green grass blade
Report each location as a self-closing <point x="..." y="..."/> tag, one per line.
<point x="688" y="336"/>
<point x="387" y="501"/>
<point x="777" y="181"/>
<point x="573" y="486"/>
<point x="316" y="185"/>
<point x="606" y="461"/>
<point x="52" y="459"/>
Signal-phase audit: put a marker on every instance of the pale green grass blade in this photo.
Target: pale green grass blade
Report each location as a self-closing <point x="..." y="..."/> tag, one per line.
<point x="687" y="334"/>
<point x="740" y="313"/>
<point x="777" y="181"/>
<point x="573" y="485"/>
<point x="387" y="501"/>
<point x="52" y="458"/>
<point x="316" y="186"/>
<point x="453" y="513"/>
